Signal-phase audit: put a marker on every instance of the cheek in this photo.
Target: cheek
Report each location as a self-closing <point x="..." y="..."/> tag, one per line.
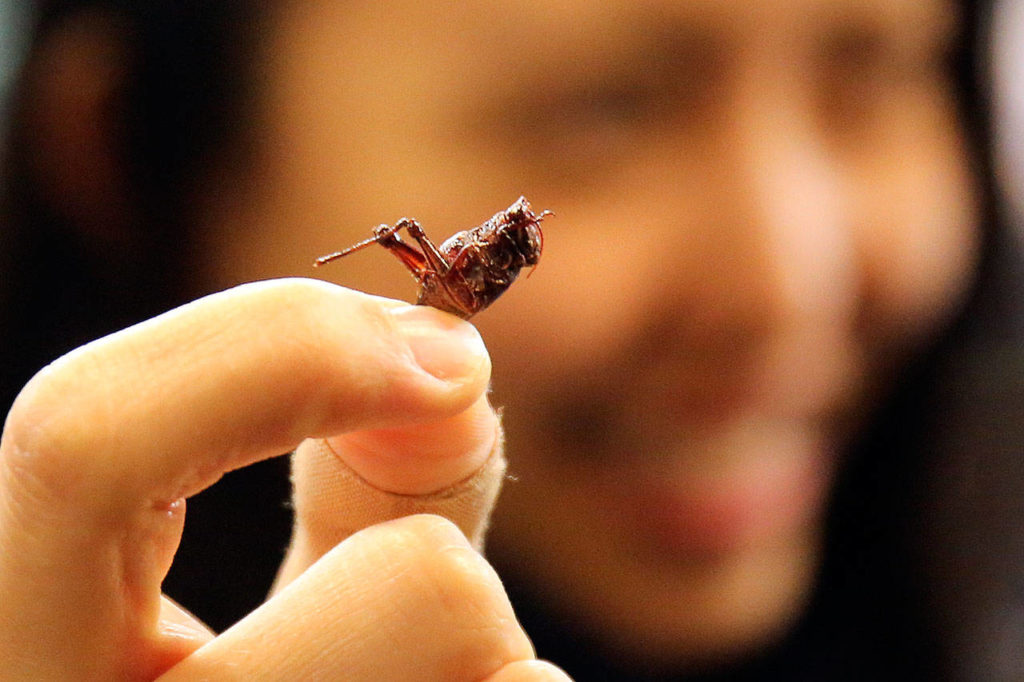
<point x="919" y="246"/>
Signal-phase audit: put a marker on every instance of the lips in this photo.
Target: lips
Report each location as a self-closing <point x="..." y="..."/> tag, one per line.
<point x="689" y="458"/>
<point x="760" y="486"/>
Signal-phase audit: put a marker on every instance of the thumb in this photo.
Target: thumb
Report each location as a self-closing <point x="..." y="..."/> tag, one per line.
<point x="451" y="467"/>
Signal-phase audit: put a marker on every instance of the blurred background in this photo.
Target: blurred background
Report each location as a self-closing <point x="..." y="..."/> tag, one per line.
<point x="237" y="531"/>
<point x="225" y="520"/>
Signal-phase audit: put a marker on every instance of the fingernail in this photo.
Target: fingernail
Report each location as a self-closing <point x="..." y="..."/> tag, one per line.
<point x="444" y="346"/>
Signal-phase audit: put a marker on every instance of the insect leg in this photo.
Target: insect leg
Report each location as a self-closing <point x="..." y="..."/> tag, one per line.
<point x="380" y="235"/>
<point x="411" y="257"/>
<point x="386" y="236"/>
<point x="433" y="256"/>
<point x="323" y="260"/>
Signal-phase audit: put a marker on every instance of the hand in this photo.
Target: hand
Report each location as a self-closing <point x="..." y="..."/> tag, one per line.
<point x="103" y="446"/>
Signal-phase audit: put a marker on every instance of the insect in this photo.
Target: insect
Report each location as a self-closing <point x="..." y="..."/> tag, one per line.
<point x="470" y="269"/>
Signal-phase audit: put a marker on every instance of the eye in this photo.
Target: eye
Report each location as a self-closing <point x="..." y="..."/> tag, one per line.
<point x="582" y="123"/>
<point x="573" y="132"/>
<point x="865" y="72"/>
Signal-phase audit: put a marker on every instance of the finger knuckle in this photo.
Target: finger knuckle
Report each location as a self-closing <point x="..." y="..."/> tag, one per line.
<point x="50" y="443"/>
<point x="293" y="296"/>
<point x="450" y="578"/>
<point x="465" y="597"/>
<point x="439" y="584"/>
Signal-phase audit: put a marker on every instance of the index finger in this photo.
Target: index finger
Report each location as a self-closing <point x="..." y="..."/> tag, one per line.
<point x="101" y="445"/>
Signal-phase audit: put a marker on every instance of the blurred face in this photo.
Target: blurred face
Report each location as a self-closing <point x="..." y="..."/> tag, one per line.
<point x="761" y="208"/>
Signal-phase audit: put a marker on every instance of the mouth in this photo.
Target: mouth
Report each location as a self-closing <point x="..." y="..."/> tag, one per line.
<point x="737" y="490"/>
<point x="700" y="474"/>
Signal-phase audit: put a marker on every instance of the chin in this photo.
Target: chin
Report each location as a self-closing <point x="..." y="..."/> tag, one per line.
<point x="651" y="606"/>
<point x="706" y="613"/>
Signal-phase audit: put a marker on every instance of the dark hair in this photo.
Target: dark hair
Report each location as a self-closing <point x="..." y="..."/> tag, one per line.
<point x="179" y="119"/>
<point x="925" y="541"/>
<point x="924" y="566"/>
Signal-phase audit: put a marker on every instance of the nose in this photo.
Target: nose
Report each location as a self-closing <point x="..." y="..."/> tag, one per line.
<point x="778" y="248"/>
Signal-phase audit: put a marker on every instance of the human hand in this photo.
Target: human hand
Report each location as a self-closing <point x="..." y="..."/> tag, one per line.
<point x="102" y="447"/>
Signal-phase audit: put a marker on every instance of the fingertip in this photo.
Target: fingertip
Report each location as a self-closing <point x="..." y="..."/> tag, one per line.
<point x="444" y="346"/>
<point x="332" y="500"/>
<point x="423" y="458"/>
<point x="412" y="363"/>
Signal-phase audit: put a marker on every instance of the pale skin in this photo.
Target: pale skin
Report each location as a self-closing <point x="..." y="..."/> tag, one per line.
<point x="761" y="209"/>
<point x="103" y="446"/>
<point x="753" y="229"/>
